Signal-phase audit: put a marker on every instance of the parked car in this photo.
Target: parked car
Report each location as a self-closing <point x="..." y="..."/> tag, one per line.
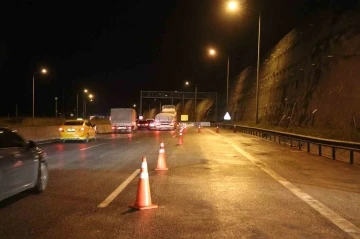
<point x="78" y="129"/>
<point x="151" y="123"/>
<point x="23" y="165"/>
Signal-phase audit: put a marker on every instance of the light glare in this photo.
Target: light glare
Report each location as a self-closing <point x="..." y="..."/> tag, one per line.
<point x="232" y="5"/>
<point x="212" y="52"/>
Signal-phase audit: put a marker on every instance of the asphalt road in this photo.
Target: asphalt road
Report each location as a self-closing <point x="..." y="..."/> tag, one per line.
<point x="219" y="185"/>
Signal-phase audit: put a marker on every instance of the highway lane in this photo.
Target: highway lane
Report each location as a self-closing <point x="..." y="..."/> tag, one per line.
<point x="222" y="185"/>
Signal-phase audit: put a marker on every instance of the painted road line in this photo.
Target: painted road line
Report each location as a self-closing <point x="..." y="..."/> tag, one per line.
<point x="117" y="191"/>
<point x="92" y="146"/>
<point x="331" y="215"/>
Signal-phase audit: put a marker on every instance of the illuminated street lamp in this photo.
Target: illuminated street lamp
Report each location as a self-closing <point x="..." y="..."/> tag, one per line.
<point x="232" y="6"/>
<point x="212" y="52"/>
<point x="43" y="71"/>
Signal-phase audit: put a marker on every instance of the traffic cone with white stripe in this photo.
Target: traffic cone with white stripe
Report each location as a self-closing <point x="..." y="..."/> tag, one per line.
<point x="217" y="129"/>
<point x="143" y="197"/>
<point x="161" y="163"/>
<point x="180" y="138"/>
<point x="184" y="129"/>
<point x="199" y="130"/>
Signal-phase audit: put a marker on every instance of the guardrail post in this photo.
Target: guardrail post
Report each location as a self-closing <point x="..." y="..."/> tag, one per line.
<point x="351" y="157"/>
<point x="279" y="140"/>
<point x="333" y="153"/>
<point x="299" y="145"/>
<point x="320" y="153"/>
<point x="308" y="147"/>
<point x="274" y="138"/>
<point x="290" y="142"/>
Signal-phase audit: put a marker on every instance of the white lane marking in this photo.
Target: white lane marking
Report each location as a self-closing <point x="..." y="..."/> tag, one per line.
<point x="117" y="191"/>
<point x="92" y="146"/>
<point x="331" y="215"/>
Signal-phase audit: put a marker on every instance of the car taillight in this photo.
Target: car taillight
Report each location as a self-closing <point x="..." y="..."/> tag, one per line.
<point x="61" y="129"/>
<point x="113" y="127"/>
<point x="138" y="124"/>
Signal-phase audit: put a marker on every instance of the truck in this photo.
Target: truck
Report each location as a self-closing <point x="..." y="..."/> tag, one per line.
<point x="123" y="120"/>
<point x="166" y="120"/>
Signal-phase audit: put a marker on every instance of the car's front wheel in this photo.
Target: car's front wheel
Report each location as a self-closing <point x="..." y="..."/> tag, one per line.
<point x="42" y="178"/>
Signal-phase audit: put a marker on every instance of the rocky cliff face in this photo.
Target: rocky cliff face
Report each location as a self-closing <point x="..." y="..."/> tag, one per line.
<point x="310" y="78"/>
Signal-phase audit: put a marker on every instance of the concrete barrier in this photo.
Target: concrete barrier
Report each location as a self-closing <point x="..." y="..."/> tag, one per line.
<point x="39" y="133"/>
<point x="103" y="128"/>
<point x="202" y="124"/>
<point x="45" y="133"/>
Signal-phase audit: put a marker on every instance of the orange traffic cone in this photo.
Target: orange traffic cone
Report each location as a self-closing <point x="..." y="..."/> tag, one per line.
<point x="180" y="138"/>
<point x="199" y="130"/>
<point x="234" y="128"/>
<point x="143" y="197"/>
<point x="217" y="129"/>
<point x="161" y="163"/>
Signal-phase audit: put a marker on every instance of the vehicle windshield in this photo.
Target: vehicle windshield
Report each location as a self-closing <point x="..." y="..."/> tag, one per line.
<point x="74" y="123"/>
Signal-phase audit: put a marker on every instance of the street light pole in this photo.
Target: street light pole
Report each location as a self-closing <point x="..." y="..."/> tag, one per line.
<point x="195" y="104"/>
<point x="77" y="105"/>
<point x="257" y="74"/>
<point x="33" y="101"/>
<point x="232" y="6"/>
<point x="56" y="114"/>
<point x="227" y="85"/>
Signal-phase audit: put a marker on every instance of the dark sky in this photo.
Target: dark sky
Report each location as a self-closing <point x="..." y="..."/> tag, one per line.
<point x="117" y="49"/>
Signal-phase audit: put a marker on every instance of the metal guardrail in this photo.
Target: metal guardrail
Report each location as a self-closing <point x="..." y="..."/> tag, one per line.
<point x="299" y="139"/>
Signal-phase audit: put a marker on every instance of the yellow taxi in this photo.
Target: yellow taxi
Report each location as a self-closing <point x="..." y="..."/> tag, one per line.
<point x="78" y="129"/>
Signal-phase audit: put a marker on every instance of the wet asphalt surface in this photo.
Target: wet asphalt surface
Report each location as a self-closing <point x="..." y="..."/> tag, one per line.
<point x="218" y="185"/>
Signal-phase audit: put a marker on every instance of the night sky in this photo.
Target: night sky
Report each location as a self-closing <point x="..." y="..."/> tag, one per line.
<point x="117" y="49"/>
